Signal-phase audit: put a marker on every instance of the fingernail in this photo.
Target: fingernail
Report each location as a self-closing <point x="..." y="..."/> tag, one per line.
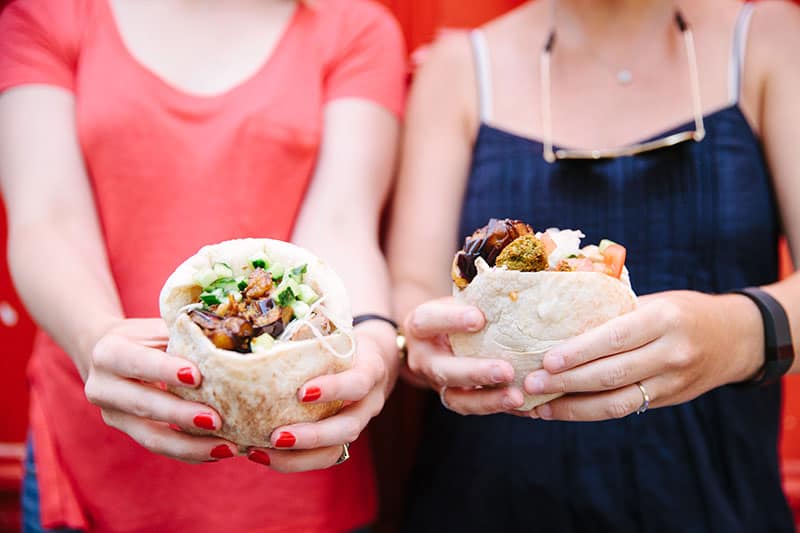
<point x="555" y="362"/>
<point x="285" y="440"/>
<point x="185" y="376"/>
<point x="499" y="375"/>
<point x="204" y="421"/>
<point x="473" y="319"/>
<point x="257" y="456"/>
<point x="175" y="427"/>
<point x="544" y="411"/>
<point x="312" y="394"/>
<point x="535" y="386"/>
<point x="221" y="452"/>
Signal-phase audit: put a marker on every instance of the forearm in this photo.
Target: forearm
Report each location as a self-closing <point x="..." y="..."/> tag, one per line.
<point x="787" y="292"/>
<point x="61" y="275"/>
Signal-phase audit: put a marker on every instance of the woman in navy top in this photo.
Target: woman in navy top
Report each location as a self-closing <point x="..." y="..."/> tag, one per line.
<point x="700" y="215"/>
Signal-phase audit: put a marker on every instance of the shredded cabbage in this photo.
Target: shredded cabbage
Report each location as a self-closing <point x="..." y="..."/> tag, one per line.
<point x="568" y="242"/>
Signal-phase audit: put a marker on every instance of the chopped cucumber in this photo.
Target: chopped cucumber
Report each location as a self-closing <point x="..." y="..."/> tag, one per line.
<point x="262" y="343"/>
<point x="605" y="243"/>
<point x="214" y="297"/>
<point x="205" y="277"/>
<point x="285" y="296"/>
<point x="300" y="309"/>
<point x="259" y="260"/>
<point x="277" y="271"/>
<point x="297" y="272"/>
<point x="307" y="294"/>
<point x="225" y="284"/>
<point x="223" y="270"/>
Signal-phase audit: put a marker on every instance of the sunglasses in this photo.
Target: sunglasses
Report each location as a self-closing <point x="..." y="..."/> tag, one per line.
<point x="552" y="155"/>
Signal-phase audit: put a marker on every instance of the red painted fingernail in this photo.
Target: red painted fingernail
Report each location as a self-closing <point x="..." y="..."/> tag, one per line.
<point x="257" y="456"/>
<point x="185" y="375"/>
<point x="285" y="440"/>
<point x="221" y="452"/>
<point x="312" y="394"/>
<point x="204" y="421"/>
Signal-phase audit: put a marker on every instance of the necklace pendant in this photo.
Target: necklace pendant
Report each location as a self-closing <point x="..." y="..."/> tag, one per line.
<point x="624" y="77"/>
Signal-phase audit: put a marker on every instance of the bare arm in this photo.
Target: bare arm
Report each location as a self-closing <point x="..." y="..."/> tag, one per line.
<point x="780" y="116"/>
<point x="340" y="222"/>
<point x="55" y="249"/>
<point x="440" y="131"/>
<point x="60" y="269"/>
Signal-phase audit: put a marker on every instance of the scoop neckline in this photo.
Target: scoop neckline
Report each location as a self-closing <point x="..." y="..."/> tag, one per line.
<point x="168" y="86"/>
<point x="709" y="115"/>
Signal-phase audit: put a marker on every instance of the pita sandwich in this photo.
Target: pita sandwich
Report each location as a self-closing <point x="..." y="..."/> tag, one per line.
<point x="536" y="290"/>
<point x="259" y="318"/>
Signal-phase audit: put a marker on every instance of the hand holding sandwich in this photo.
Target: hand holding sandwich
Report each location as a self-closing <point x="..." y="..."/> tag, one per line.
<point x="678" y="345"/>
<point x="125" y="367"/>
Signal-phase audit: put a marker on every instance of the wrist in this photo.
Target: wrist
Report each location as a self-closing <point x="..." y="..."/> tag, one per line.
<point x="746" y="332"/>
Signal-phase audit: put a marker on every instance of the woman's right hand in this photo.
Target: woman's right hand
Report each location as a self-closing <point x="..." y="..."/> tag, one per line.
<point x="466" y="385"/>
<point x="126" y="373"/>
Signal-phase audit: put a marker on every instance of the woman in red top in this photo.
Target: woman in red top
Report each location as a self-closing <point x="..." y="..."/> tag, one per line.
<point x="132" y="133"/>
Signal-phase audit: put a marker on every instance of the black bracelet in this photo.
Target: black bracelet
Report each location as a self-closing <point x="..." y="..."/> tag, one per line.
<point x="778" y="347"/>
<point x="360" y="319"/>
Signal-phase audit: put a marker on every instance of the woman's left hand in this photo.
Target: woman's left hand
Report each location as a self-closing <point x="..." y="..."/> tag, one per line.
<point x="364" y="389"/>
<point x="677" y="345"/>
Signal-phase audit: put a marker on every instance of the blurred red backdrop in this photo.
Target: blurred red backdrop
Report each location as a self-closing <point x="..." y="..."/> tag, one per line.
<point x="420" y="20"/>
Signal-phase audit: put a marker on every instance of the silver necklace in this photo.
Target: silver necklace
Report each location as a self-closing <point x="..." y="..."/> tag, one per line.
<point x="624" y="75"/>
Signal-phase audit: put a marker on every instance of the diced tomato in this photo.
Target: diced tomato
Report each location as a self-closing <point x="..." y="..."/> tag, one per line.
<point x="581" y="264"/>
<point x="614" y="257"/>
<point x="602" y="268"/>
<point x="549" y="243"/>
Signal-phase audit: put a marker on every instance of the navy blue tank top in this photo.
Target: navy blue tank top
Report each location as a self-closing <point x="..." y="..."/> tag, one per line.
<point x="699" y="216"/>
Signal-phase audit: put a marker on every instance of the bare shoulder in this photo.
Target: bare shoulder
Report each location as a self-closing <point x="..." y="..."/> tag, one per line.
<point x="774" y="38"/>
<point x="446" y="72"/>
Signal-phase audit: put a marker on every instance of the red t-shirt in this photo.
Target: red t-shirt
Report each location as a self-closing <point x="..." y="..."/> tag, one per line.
<point x="171" y="172"/>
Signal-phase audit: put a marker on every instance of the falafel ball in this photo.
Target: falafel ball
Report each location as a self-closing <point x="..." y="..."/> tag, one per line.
<point x="525" y="254"/>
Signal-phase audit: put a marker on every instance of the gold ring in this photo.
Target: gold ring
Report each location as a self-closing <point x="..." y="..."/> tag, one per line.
<point x="402" y="348"/>
<point x="645" y="399"/>
<point x="345" y="454"/>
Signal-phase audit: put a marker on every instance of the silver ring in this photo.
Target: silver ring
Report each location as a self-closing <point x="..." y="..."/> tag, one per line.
<point x="645" y="399"/>
<point x="345" y="454"/>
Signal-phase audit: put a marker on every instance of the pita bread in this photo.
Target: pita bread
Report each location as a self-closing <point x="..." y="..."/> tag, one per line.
<point x="527" y="313"/>
<point x="255" y="393"/>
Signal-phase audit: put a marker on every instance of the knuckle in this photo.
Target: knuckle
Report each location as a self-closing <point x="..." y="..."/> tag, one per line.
<point x="152" y="442"/>
<point x="672" y="315"/>
<point x="108" y="418"/>
<point x="381" y="373"/>
<point x="102" y="352"/>
<point x="615" y="377"/>
<point x="681" y="358"/>
<point x="477" y="376"/>
<point x="92" y="391"/>
<point x="619" y="409"/>
<point x="436" y="376"/>
<point x="361" y="384"/>
<point x="351" y="429"/>
<point x="618" y="336"/>
<point x="139" y="407"/>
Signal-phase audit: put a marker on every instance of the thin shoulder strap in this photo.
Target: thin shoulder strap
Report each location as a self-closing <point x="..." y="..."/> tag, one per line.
<point x="738" y="50"/>
<point x="483" y="73"/>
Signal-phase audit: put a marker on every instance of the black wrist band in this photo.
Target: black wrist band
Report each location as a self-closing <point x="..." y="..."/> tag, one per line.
<point x="360" y="319"/>
<point x="778" y="347"/>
